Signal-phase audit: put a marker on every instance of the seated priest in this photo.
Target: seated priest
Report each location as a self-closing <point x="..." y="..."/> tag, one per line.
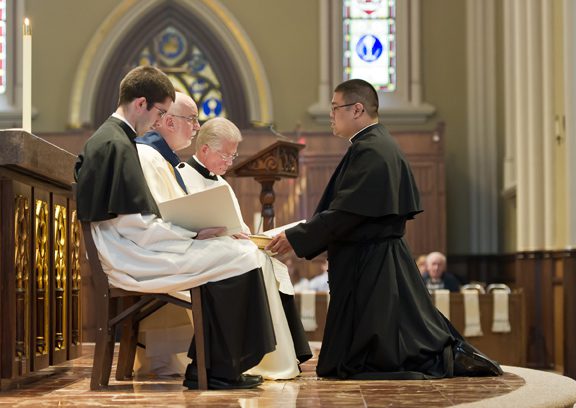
<point x="167" y="179"/>
<point x="140" y="252"/>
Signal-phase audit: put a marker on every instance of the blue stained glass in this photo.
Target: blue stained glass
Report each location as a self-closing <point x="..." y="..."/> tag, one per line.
<point x="212" y="107"/>
<point x="369" y="48"/>
<point x="171" y="45"/>
<point x="197" y="63"/>
<point x="369" y="40"/>
<point x="188" y="69"/>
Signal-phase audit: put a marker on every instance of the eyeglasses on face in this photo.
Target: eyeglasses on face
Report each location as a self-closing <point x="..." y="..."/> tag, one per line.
<point x="189" y="119"/>
<point x="334" y="108"/>
<point x="225" y="157"/>
<point x="162" y="111"/>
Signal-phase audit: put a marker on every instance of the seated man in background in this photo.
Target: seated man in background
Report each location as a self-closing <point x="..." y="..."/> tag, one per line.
<point x="436" y="276"/>
<point x="141" y="252"/>
<point x="169" y="179"/>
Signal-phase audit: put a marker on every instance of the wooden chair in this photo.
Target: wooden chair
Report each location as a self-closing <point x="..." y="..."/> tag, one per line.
<point x="117" y="306"/>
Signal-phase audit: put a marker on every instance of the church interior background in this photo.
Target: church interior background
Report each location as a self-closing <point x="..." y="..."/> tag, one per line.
<point x="480" y="95"/>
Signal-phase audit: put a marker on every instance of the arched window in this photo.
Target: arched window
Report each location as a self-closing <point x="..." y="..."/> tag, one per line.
<point x="188" y="68"/>
<point x="178" y="42"/>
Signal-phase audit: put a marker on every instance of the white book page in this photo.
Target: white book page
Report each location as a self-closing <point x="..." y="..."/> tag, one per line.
<point x="275" y="231"/>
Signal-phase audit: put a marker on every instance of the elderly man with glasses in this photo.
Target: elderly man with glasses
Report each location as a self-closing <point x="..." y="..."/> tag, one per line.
<point x="167" y="179"/>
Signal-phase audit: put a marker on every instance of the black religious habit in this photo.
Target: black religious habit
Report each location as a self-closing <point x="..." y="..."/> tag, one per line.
<point x="381" y="322"/>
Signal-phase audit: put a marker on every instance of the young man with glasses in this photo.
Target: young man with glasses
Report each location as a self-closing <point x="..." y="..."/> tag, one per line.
<point x="140" y="252"/>
<point x="381" y="322"/>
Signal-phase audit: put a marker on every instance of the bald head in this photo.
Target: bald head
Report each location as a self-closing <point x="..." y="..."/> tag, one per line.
<point x="180" y="124"/>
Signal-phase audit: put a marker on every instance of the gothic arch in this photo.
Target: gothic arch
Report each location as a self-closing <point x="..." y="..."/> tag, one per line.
<point x="133" y="22"/>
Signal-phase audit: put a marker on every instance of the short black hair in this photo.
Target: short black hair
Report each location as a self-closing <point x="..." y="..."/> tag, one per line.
<point x="358" y="90"/>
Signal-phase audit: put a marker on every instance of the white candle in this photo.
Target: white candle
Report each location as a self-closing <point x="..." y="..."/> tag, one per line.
<point x="27" y="77"/>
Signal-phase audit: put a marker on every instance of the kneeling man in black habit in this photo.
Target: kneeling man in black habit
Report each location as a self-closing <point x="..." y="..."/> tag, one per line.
<point x="381" y="321"/>
<point x="141" y="252"/>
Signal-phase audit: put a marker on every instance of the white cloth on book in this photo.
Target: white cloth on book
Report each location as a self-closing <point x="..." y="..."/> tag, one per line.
<point x="472" y="326"/>
<point x="442" y="301"/>
<point x="500" y="317"/>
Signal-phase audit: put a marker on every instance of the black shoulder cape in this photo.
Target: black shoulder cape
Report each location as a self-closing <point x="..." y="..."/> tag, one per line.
<point x="373" y="179"/>
<point x="110" y="179"/>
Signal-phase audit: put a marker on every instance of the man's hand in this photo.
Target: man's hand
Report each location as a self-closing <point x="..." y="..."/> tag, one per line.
<point x="241" y="235"/>
<point x="279" y="244"/>
<point x="208" y="233"/>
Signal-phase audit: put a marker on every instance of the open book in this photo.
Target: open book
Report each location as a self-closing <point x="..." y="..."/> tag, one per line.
<point x="213" y="207"/>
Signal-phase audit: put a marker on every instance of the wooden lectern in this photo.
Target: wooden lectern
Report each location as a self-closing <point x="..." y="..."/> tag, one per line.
<point x="277" y="161"/>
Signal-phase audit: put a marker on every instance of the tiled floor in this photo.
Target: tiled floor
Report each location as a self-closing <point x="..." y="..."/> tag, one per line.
<point x="68" y="385"/>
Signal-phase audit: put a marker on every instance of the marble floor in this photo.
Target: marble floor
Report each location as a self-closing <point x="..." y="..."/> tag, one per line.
<point x="67" y="385"/>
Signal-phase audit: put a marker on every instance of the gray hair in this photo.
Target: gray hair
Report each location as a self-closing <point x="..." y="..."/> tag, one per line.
<point x="217" y="130"/>
<point x="434" y="255"/>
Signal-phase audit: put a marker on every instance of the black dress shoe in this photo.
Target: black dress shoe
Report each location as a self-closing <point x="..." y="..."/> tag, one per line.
<point x="243" y="382"/>
<point x="469" y="362"/>
<point x="215" y="383"/>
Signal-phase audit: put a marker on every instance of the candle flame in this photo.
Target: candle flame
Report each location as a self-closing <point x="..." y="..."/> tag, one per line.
<point x="27" y="29"/>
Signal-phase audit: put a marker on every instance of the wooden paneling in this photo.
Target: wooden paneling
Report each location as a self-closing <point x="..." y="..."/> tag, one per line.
<point x="59" y="284"/>
<point x="76" y="252"/>
<point x="41" y="264"/>
<point x="534" y="275"/>
<point x="15" y="278"/>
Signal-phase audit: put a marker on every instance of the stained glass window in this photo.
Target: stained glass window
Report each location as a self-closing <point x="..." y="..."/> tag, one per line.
<point x="370" y="42"/>
<point x="2" y="46"/>
<point x="187" y="68"/>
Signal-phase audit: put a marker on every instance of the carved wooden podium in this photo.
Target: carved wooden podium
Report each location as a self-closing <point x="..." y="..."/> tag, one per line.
<point x="277" y="161"/>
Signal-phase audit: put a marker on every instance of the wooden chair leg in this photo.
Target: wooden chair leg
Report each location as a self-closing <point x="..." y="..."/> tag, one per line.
<point x="128" y="343"/>
<point x="196" y="298"/>
<point x="104" y="348"/>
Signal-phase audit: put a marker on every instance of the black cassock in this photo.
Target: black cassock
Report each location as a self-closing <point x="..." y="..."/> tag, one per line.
<point x="381" y="322"/>
<point x="238" y="326"/>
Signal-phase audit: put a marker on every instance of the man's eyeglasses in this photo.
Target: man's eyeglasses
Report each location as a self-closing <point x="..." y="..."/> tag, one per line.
<point x="334" y="108"/>
<point x="189" y="119"/>
<point x="225" y="157"/>
<point x="162" y="111"/>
